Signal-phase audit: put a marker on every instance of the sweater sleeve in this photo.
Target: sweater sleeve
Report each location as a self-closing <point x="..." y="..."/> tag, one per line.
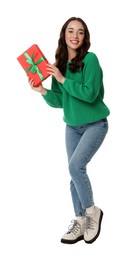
<point x="54" y="96"/>
<point x="92" y="81"/>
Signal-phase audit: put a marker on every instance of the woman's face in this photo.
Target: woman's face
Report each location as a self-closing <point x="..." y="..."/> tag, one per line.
<point x="74" y="35"/>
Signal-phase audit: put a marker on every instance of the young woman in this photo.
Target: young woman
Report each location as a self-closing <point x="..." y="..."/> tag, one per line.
<point x="77" y="87"/>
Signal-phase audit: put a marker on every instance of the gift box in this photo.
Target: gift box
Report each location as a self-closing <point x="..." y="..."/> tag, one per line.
<point x="34" y="64"/>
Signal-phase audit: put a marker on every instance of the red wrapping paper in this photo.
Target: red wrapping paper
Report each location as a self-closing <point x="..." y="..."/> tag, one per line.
<point x="34" y="64"/>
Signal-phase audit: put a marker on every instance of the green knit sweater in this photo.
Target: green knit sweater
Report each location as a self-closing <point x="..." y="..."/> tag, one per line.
<point x="81" y="95"/>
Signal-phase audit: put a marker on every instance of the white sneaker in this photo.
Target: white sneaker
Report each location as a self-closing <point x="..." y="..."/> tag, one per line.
<point x="93" y="225"/>
<point x="75" y="233"/>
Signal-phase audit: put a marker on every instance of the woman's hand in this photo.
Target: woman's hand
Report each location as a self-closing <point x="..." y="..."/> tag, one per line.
<point x="39" y="88"/>
<point x="54" y="71"/>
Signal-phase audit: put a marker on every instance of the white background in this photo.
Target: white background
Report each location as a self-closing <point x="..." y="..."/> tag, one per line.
<point x="35" y="202"/>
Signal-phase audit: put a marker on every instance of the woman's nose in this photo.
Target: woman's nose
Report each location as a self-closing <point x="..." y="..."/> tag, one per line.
<point x="75" y="35"/>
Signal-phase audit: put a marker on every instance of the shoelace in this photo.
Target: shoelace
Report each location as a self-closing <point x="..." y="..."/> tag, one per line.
<point x="74" y="227"/>
<point x="90" y="223"/>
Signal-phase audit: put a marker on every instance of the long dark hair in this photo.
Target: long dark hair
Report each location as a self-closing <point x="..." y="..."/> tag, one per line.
<point x="61" y="54"/>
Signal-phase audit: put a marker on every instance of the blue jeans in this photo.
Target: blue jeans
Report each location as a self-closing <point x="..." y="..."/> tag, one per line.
<point x="82" y="143"/>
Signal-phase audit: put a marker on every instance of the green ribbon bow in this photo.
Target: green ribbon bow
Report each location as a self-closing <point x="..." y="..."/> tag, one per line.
<point x="33" y="68"/>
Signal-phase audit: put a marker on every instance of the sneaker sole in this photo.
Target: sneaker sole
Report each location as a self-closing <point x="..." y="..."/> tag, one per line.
<point x="99" y="229"/>
<point x="66" y="241"/>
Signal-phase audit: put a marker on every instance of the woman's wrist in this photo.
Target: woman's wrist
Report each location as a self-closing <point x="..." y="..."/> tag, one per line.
<point x="43" y="91"/>
<point x="63" y="80"/>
